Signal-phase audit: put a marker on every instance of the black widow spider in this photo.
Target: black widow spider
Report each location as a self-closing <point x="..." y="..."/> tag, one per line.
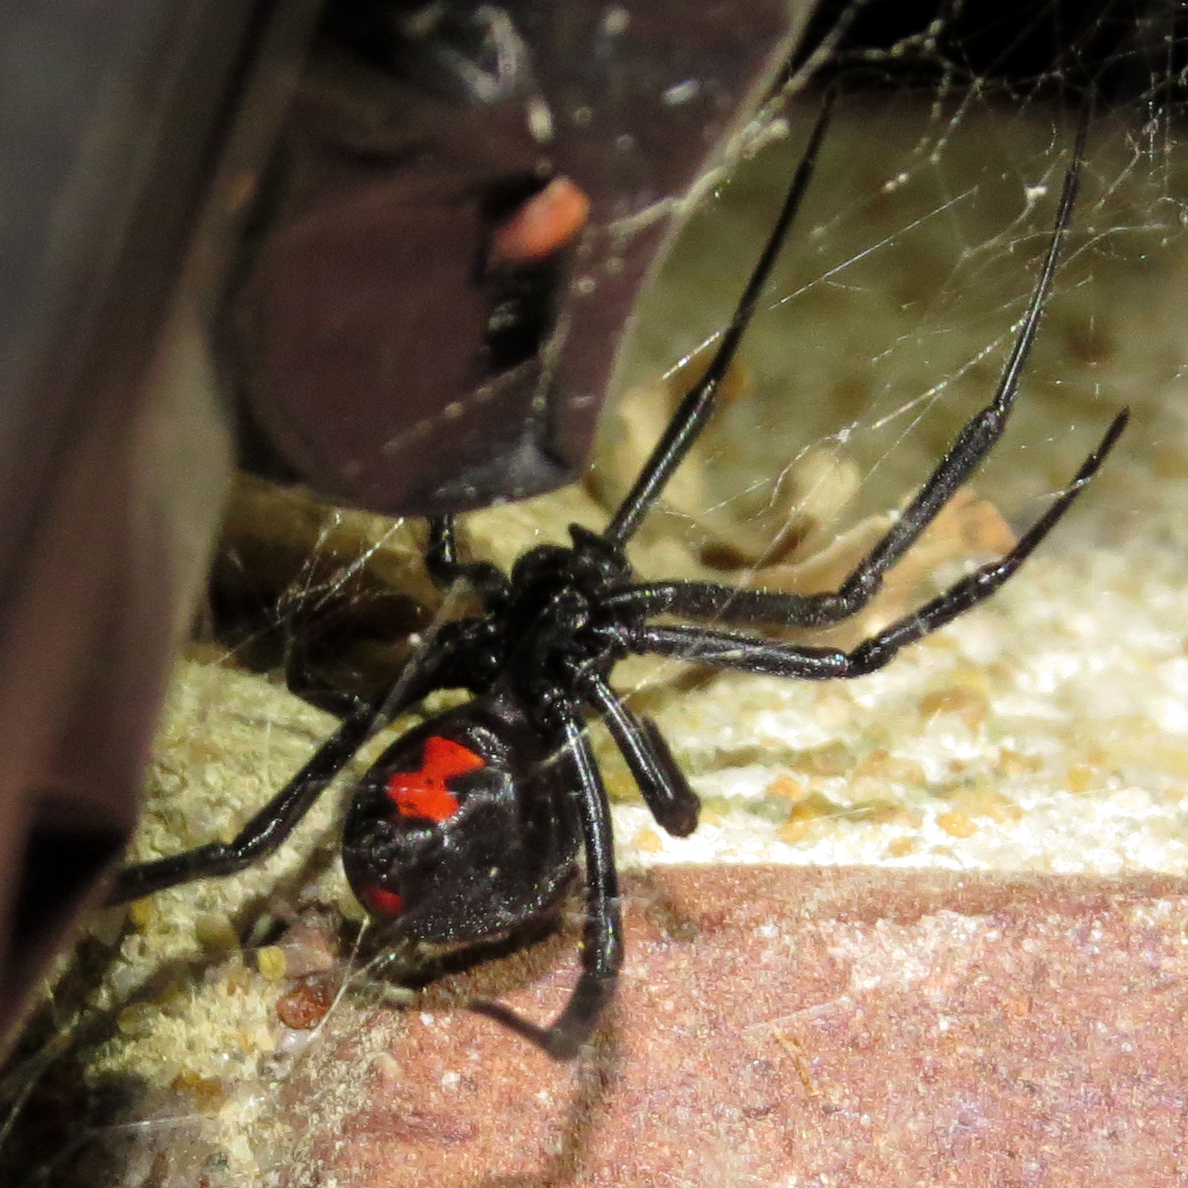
<point x="469" y="826"/>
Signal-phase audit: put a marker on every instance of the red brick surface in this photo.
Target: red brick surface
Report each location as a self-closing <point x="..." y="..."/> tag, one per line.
<point x="792" y="1027"/>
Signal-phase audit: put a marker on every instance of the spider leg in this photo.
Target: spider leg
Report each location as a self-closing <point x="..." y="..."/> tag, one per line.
<point x="445" y="568"/>
<point x="269" y="827"/>
<point x="694" y="412"/>
<point x="661" y="782"/>
<point x="301" y="682"/>
<point x="602" y="939"/>
<point x="975" y="441"/>
<point x="734" y="650"/>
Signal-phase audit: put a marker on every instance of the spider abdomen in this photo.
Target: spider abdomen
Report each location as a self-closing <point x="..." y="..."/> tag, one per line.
<point x="459" y="831"/>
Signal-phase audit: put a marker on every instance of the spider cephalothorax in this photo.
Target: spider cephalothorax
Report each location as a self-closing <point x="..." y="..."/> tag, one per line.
<point x="556" y="620"/>
<point x="471" y="826"/>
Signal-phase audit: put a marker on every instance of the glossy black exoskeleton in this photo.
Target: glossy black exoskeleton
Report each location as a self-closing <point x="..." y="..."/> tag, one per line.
<point x="463" y="828"/>
<point x="471" y="825"/>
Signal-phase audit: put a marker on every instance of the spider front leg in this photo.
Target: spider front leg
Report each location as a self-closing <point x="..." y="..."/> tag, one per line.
<point x="602" y="938"/>
<point x="269" y="828"/>
<point x="724" y="649"/>
<point x="980" y="434"/>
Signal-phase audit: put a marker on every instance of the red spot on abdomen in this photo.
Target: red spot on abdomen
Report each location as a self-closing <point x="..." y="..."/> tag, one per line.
<point x="381" y="901"/>
<point x="424" y="793"/>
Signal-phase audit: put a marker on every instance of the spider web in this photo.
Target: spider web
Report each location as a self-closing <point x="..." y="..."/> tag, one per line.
<point x="1048" y="730"/>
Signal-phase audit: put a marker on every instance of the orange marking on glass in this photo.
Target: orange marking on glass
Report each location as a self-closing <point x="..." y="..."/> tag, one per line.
<point x="382" y="901"/>
<point x="424" y="793"/>
<point x="544" y="224"/>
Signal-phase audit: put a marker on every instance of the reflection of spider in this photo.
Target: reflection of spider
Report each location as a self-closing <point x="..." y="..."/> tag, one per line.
<point x="469" y="826"/>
